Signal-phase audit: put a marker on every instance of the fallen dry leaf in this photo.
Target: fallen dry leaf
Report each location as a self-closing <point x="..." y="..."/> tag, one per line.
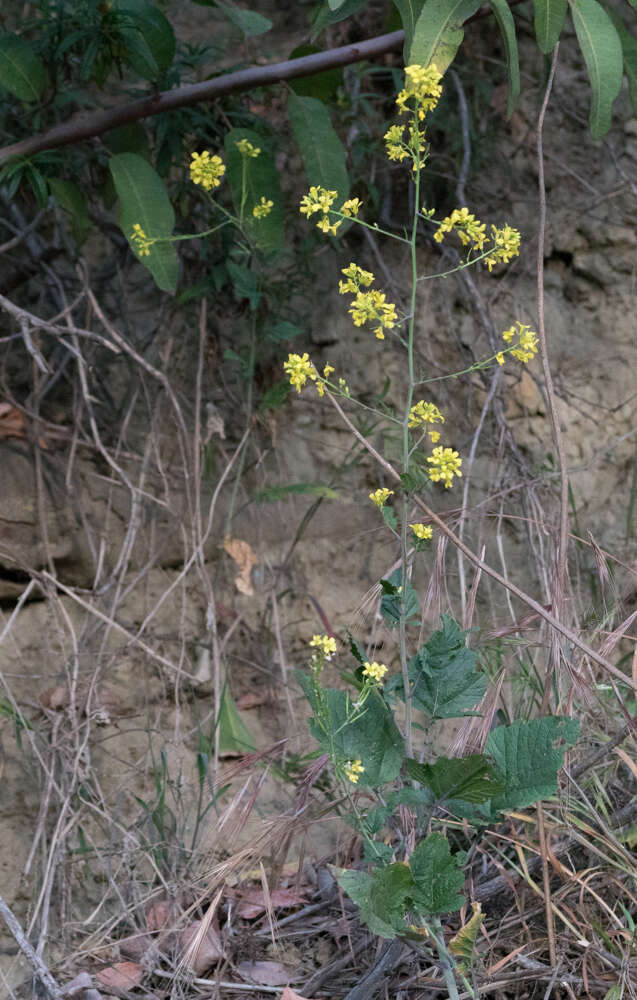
<point x="158" y="915"/>
<point x="264" y="973"/>
<point x="200" y="956"/>
<point x="121" y="976"/>
<point x="54" y="698"/>
<point x="289" y="994"/>
<point x="11" y="421"/>
<point x="253" y="699"/>
<point x="245" y="559"/>
<point x="253" y="903"/>
<point x="134" y="946"/>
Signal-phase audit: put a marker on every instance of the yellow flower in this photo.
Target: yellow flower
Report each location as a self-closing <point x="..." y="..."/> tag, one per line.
<point x="299" y="369"/>
<point x="141" y="241"/>
<point x="380" y="496"/>
<point x="264" y="208"/>
<point x="326" y="644"/>
<point x="356" y="277"/>
<point x="422" y="85"/>
<point x="328" y="370"/>
<point x="326" y="227"/>
<point x="206" y="170"/>
<point x="500" y="358"/>
<point x="434" y="436"/>
<point x="445" y="464"/>
<point x="247" y="149"/>
<point x="468" y="228"/>
<point x="425" y="413"/>
<point x="319" y="199"/>
<point x="370" y="307"/>
<point x="422" y="531"/>
<point x="351" y="207"/>
<point x="506" y="244"/>
<point x="353" y="770"/>
<point x="509" y="334"/>
<point x="375" y="671"/>
<point x="526" y="347"/>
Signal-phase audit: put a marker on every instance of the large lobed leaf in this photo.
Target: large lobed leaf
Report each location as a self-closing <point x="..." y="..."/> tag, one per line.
<point x="445" y="682"/>
<point x="143" y="199"/>
<point x="471" y="778"/>
<point x="602" y="51"/>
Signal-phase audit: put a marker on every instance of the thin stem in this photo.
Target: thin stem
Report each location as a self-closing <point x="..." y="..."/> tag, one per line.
<point x="446" y="960"/>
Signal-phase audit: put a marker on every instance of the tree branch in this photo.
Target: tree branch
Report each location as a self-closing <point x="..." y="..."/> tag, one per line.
<point x="87" y="124"/>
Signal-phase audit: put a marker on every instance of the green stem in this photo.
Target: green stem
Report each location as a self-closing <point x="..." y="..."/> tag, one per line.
<point x="446" y="959"/>
<point x="249" y="397"/>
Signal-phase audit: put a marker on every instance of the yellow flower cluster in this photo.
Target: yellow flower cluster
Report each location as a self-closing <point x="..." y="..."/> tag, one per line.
<point x="299" y="369"/>
<point x="422" y="531"/>
<point x="370" y="306"/>
<point x="526" y="347"/>
<point x="141" y="241"/>
<point x="375" y="671"/>
<point x="381" y="496"/>
<point x="247" y="149"/>
<point x="424" y="413"/>
<point x="353" y="770"/>
<point x="445" y="464"/>
<point x="206" y="170"/>
<point x="325" y="643"/>
<point x="351" y="207"/>
<point x="320" y="200"/>
<point x="422" y="86"/>
<point x="468" y="228"/>
<point x="263" y="208"/>
<point x="506" y="244"/>
<point x="400" y="148"/>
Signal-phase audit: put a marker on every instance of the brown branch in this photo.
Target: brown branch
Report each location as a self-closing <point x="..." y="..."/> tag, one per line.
<point x="87" y="124"/>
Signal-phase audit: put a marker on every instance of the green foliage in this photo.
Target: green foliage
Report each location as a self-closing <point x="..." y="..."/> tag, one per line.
<point x="320" y="146"/>
<point x="274" y="493"/>
<point x="323" y="85"/>
<point x="393" y="604"/>
<point x="549" y="21"/>
<point x="72" y="200"/>
<point x="250" y="180"/>
<point x="472" y="778"/>
<point x="149" y="37"/>
<point x="234" y="735"/>
<point x="438" y="32"/>
<point x="602" y="51"/>
<point x="21" y="72"/>
<point x="445" y="682"/>
<point x="326" y="15"/>
<point x="506" y="24"/>
<point x="438" y="876"/>
<point x="629" y="50"/>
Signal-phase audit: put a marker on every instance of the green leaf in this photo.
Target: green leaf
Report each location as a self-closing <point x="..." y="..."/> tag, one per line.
<point x="282" y="331"/>
<point x="506" y="24"/>
<point x="463" y="945"/>
<point x="445" y="683"/>
<point x="154" y="28"/>
<point x="248" y="21"/>
<point x="389" y="517"/>
<point x="549" y="21"/>
<point x="381" y="897"/>
<point x="261" y="181"/>
<point x="273" y="493"/>
<point x="72" y="200"/>
<point x="438" y="32"/>
<point x="323" y="85"/>
<point x="320" y="146"/>
<point x="392" y="604"/>
<point x="438" y="876"/>
<point x="245" y="283"/>
<point x="21" y="72"/>
<point x="143" y="200"/>
<point x="234" y="736"/>
<point x="469" y="778"/>
<point x="629" y="49"/>
<point x="326" y="16"/>
<point x="128" y="139"/>
<point x="371" y="735"/>
<point x="409" y="11"/>
<point x="526" y="760"/>
<point x="138" y="54"/>
<point x="602" y="53"/>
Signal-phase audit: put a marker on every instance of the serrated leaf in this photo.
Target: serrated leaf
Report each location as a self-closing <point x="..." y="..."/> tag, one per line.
<point x="629" y="49"/>
<point x="261" y="181"/>
<point x="322" y="85"/>
<point x="438" y="876"/>
<point x="468" y="778"/>
<point x="249" y="22"/>
<point x="234" y="736"/>
<point x="245" y="283"/>
<point x="602" y="53"/>
<point x="549" y="21"/>
<point x="392" y="603"/>
<point x="438" y="32"/>
<point x="463" y="945"/>
<point x="357" y="651"/>
<point x="371" y="736"/>
<point x="358" y="886"/>
<point x="273" y="493"/>
<point x="527" y="761"/>
<point x="143" y="199"/>
<point x="320" y="146"/>
<point x="21" y="72"/>
<point x="445" y="683"/>
<point x="506" y="24"/>
<point x="72" y="200"/>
